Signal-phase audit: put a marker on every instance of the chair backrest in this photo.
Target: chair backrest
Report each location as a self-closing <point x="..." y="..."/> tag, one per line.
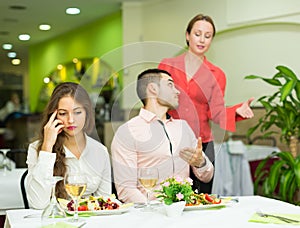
<point x="23" y="189"/>
<point x="260" y="140"/>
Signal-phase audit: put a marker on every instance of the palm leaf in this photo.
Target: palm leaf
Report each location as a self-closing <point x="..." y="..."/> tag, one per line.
<point x="297" y="170"/>
<point x="258" y="179"/>
<point x="273" y="178"/>
<point x="271" y="81"/>
<point x="286" y="156"/>
<point x="292" y="190"/>
<point x="260" y="166"/>
<point x="287" y="72"/>
<point x="285" y="183"/>
<point x="287" y="89"/>
<point x="297" y="88"/>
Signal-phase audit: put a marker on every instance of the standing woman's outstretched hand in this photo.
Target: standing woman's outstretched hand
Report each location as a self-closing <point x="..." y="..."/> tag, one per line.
<point x="245" y="111"/>
<point x="51" y="130"/>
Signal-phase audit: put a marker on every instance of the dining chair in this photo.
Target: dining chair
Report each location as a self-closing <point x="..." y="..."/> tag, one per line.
<point x="23" y="189"/>
<point x="243" y="138"/>
<point x="260" y="140"/>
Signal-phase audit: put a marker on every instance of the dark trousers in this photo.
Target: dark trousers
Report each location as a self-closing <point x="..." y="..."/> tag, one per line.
<point x="202" y="187"/>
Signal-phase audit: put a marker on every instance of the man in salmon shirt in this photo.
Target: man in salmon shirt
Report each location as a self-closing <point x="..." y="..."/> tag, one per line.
<point x="154" y="139"/>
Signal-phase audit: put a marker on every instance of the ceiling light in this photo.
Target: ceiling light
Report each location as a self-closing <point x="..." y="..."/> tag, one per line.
<point x="46" y="80"/>
<point x="24" y="37"/>
<point x="12" y="54"/>
<point x="7" y="46"/>
<point x="72" y="11"/>
<point x="16" y="61"/>
<point x="44" y="27"/>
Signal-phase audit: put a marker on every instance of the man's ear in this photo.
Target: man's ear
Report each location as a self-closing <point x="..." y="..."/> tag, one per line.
<point x="153" y="88"/>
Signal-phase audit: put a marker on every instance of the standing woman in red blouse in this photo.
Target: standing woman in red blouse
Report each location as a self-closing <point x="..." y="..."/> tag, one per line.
<point x="202" y="87"/>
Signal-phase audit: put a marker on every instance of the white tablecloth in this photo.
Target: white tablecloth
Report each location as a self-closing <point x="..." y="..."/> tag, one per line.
<point x="236" y="215"/>
<point x="10" y="190"/>
<point x="259" y="152"/>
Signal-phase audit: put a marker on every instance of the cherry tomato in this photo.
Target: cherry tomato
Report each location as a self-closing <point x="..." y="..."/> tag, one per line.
<point x="216" y="201"/>
<point x="209" y="198"/>
<point x="82" y="208"/>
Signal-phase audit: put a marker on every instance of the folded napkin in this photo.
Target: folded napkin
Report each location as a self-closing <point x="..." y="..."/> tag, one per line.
<point x="65" y="225"/>
<point x="256" y="218"/>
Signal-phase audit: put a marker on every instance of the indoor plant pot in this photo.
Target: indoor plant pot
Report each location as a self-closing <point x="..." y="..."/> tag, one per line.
<point x="175" y="209"/>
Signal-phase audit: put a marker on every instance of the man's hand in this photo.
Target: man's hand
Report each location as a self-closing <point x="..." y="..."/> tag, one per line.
<point x="193" y="156"/>
<point x="245" y="110"/>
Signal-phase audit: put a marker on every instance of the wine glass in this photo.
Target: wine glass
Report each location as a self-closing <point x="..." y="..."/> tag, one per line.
<point x="75" y="185"/>
<point x="5" y="162"/>
<point x="148" y="178"/>
<point x="53" y="212"/>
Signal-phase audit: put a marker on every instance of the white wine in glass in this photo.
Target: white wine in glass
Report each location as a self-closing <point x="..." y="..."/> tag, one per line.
<point x="75" y="185"/>
<point x="148" y="178"/>
<point x="149" y="184"/>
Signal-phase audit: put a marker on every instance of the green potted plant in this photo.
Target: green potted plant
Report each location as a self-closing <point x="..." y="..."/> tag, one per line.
<point x="175" y="192"/>
<point x="282" y="179"/>
<point x="282" y="108"/>
<point x="175" y="189"/>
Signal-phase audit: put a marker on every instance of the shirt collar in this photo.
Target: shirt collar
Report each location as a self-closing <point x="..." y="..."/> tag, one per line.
<point x="210" y="66"/>
<point x="69" y="154"/>
<point x="150" y="116"/>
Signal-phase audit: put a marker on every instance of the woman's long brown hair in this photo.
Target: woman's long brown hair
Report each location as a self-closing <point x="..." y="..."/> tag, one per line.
<point x="80" y="95"/>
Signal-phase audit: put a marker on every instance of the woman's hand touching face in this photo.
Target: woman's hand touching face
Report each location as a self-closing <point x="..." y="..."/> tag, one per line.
<point x="53" y="127"/>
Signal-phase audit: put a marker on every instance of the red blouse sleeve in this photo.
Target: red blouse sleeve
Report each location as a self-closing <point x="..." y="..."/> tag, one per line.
<point x="229" y="123"/>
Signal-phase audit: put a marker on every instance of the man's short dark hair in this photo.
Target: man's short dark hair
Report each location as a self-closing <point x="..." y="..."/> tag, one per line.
<point x="146" y="77"/>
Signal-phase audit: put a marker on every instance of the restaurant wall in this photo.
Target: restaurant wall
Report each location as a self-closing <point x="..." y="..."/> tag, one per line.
<point x="92" y="40"/>
<point x="253" y="37"/>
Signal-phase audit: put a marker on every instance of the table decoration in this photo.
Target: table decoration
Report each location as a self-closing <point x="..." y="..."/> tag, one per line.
<point x="175" y="189"/>
<point x="175" y="192"/>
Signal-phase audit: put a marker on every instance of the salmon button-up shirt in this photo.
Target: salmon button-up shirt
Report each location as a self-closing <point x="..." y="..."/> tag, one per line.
<point x="144" y="141"/>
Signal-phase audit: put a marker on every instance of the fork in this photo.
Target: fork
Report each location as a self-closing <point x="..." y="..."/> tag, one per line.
<point x="287" y="220"/>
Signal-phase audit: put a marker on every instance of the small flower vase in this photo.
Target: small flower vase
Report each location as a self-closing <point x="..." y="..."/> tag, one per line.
<point x="175" y="209"/>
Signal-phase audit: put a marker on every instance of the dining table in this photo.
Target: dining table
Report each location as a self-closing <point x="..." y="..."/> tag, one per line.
<point x="238" y="211"/>
<point x="10" y="191"/>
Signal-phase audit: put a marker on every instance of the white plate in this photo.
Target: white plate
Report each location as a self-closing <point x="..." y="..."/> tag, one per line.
<point x="101" y="212"/>
<point x="122" y="209"/>
<point x="203" y="207"/>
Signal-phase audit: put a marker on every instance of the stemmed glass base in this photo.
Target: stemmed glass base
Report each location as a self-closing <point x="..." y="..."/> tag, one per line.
<point x="147" y="207"/>
<point x="6" y="165"/>
<point x="53" y="213"/>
